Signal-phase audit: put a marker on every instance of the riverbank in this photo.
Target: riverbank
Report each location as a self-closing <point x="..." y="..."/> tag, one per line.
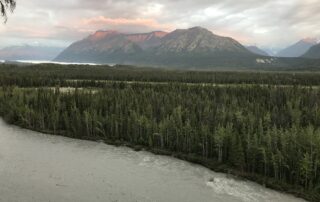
<point x="208" y="163"/>
<point x="41" y="167"/>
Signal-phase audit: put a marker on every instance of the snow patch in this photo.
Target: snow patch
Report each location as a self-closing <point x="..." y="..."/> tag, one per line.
<point x="264" y="61"/>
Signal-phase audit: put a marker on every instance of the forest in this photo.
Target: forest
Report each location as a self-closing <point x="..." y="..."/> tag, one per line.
<point x="51" y="75"/>
<point x="268" y="131"/>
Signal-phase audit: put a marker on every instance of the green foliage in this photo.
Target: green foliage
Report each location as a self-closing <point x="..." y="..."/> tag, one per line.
<point x="99" y="76"/>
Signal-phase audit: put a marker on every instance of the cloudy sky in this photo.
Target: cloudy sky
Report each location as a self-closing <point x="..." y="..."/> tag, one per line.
<point x="266" y="23"/>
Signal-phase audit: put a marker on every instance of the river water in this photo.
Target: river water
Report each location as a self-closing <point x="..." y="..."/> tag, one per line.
<point x="35" y="167"/>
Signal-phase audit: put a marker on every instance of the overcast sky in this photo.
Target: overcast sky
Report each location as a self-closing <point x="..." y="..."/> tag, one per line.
<point x="266" y="23"/>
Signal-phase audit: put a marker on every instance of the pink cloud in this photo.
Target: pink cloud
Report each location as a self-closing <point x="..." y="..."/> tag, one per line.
<point x="29" y="32"/>
<point x="105" y="21"/>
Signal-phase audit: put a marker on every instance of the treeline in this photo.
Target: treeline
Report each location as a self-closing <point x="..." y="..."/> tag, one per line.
<point x="262" y="131"/>
<point x="52" y="75"/>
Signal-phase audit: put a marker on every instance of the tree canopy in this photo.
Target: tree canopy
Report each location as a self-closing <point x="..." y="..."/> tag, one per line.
<point x="5" y="5"/>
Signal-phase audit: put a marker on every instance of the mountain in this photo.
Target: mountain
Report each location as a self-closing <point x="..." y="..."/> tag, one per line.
<point x="256" y="50"/>
<point x="29" y="53"/>
<point x="298" y="49"/>
<point x="313" y="52"/>
<point x="183" y="47"/>
<point x="110" y="47"/>
<point x="198" y="40"/>
<point x="147" y="40"/>
<point x="102" y="46"/>
<point x="198" y="47"/>
<point x="271" y="51"/>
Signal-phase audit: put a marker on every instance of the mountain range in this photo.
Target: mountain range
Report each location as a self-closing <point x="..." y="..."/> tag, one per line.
<point x="196" y="47"/>
<point x="298" y="49"/>
<point x="183" y="47"/>
<point x="28" y="52"/>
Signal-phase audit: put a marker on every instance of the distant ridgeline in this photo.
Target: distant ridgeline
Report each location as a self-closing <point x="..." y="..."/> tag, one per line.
<point x="190" y="48"/>
<point x="266" y="133"/>
<point x="27" y="52"/>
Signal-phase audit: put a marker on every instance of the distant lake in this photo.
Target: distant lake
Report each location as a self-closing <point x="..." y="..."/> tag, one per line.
<point x="39" y="167"/>
<point x="54" y="62"/>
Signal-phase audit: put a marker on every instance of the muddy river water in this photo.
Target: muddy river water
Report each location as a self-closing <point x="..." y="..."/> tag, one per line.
<point x="35" y="167"/>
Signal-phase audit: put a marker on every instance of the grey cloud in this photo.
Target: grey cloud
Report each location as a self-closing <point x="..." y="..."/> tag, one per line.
<point x="266" y="23"/>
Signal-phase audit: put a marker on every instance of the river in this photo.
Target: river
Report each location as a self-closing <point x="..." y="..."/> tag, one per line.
<point x="36" y="167"/>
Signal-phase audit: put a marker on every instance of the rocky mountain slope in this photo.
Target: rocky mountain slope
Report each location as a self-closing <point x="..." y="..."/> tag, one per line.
<point x="298" y="49"/>
<point x="184" y="47"/>
<point x="198" y="40"/>
<point x="102" y="46"/>
<point x="147" y="40"/>
<point x="313" y="52"/>
<point x="256" y="50"/>
<point x="196" y="48"/>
